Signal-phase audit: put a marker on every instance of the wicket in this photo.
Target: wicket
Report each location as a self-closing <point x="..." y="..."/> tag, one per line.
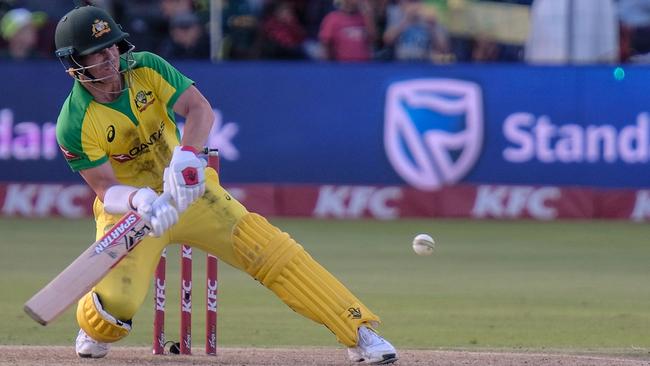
<point x="185" y="348"/>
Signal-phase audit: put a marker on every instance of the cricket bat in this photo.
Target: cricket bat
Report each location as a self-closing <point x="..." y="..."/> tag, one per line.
<point x="87" y="270"/>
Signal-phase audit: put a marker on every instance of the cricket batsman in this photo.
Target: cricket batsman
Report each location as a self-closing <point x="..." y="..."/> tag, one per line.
<point x="117" y="129"/>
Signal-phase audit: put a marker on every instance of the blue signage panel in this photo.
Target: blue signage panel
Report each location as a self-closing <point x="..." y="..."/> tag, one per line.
<point x="423" y="125"/>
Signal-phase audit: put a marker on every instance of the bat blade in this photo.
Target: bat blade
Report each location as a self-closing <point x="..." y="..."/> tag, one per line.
<point x="87" y="270"/>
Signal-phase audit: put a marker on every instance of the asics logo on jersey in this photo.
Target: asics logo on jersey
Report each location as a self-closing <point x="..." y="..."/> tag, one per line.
<point x="110" y="133"/>
<point x="143" y="99"/>
<point x="99" y="28"/>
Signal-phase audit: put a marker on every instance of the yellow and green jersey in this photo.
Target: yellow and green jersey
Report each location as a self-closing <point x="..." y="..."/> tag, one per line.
<point x="136" y="133"/>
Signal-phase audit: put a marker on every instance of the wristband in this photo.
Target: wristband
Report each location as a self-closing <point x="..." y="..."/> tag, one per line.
<point x="190" y="148"/>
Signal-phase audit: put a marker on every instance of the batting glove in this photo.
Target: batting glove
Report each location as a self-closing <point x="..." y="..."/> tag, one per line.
<point x="185" y="177"/>
<point x="157" y="210"/>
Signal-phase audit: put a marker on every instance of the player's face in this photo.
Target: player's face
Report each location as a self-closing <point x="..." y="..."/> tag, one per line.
<point x="104" y="63"/>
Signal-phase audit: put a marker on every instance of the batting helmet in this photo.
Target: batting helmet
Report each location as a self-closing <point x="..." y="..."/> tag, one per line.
<point x="86" y="30"/>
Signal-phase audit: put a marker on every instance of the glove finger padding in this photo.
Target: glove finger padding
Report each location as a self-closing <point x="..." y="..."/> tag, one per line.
<point x="168" y="185"/>
<point x="157" y="227"/>
<point x="143" y="200"/>
<point x="164" y="215"/>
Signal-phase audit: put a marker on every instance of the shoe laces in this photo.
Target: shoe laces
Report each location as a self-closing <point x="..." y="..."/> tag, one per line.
<point x="367" y="337"/>
<point x="86" y="338"/>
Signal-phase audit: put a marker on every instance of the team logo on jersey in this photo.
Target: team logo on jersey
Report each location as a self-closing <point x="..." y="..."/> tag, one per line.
<point x="433" y="130"/>
<point x="143" y="100"/>
<point x="100" y="27"/>
<point x="110" y="133"/>
<point x="69" y="156"/>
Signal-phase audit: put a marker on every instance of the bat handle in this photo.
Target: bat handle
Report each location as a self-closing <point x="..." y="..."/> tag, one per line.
<point x="208" y="151"/>
<point x="164" y="197"/>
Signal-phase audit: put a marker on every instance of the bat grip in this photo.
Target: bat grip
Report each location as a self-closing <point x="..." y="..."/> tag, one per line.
<point x="164" y="197"/>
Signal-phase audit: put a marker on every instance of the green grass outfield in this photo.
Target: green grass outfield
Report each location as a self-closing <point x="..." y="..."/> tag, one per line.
<point x="577" y="285"/>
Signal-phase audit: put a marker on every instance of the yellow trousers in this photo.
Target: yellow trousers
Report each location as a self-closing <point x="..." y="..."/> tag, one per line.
<point x="209" y="224"/>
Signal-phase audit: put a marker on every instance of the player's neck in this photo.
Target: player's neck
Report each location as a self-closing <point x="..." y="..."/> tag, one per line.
<point x="105" y="91"/>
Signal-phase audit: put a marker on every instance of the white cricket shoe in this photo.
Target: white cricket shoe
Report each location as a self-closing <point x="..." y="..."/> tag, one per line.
<point x="87" y="347"/>
<point x="372" y="349"/>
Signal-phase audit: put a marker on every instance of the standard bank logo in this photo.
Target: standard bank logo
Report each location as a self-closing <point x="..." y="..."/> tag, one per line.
<point x="433" y="130"/>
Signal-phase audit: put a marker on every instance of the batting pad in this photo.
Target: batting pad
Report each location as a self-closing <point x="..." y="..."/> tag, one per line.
<point x="282" y="265"/>
<point x="97" y="323"/>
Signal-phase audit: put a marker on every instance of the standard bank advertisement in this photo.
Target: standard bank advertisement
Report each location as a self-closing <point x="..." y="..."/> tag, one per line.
<point x="419" y="125"/>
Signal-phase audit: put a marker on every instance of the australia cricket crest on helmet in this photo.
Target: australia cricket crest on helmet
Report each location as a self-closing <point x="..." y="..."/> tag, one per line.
<point x="433" y="130"/>
<point x="99" y="28"/>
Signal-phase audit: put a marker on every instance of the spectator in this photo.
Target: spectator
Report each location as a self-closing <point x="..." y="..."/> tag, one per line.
<point x="415" y="34"/>
<point x="634" y="16"/>
<point x="54" y="9"/>
<point x="18" y="28"/>
<point x="485" y="50"/>
<point x="147" y="27"/>
<point x="239" y="30"/>
<point x="282" y="35"/>
<point x="315" y="11"/>
<point x="187" y="38"/>
<point x="379" y="10"/>
<point x="172" y="8"/>
<point x="347" y="33"/>
<point x="568" y="31"/>
<point x="47" y="13"/>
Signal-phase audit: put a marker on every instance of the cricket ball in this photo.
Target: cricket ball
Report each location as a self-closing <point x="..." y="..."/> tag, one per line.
<point x="423" y="244"/>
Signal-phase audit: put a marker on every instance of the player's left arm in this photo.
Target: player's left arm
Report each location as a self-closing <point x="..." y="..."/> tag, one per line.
<point x="198" y="117"/>
<point x="185" y="178"/>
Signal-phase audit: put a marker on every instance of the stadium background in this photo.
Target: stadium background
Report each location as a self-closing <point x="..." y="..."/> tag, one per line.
<point x="546" y="219"/>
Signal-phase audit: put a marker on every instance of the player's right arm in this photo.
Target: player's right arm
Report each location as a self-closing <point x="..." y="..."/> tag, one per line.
<point x="100" y="179"/>
<point x="119" y="198"/>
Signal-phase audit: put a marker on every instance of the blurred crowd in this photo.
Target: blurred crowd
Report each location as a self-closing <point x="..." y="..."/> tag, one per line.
<point x="435" y="31"/>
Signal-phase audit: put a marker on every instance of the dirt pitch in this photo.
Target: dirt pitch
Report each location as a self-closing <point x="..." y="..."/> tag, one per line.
<point x="119" y="356"/>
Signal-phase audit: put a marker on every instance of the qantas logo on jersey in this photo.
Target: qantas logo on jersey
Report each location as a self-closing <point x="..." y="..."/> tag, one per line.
<point x="143" y="99"/>
<point x="69" y="156"/>
<point x="141" y="148"/>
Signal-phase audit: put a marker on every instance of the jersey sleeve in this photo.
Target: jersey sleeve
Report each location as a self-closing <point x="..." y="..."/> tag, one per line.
<point x="165" y="78"/>
<point x="80" y="149"/>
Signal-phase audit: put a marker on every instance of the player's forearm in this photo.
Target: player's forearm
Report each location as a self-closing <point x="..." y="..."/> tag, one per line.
<point x="100" y="179"/>
<point x="198" y="123"/>
<point x="198" y="117"/>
